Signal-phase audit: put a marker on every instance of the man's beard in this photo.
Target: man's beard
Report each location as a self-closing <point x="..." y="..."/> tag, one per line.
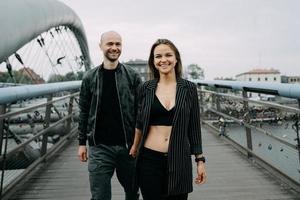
<point x="112" y="59"/>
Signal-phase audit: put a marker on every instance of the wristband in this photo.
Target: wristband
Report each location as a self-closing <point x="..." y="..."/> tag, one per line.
<point x="200" y="159"/>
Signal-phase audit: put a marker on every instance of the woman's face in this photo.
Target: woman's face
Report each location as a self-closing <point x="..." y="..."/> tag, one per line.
<point x="164" y="59"/>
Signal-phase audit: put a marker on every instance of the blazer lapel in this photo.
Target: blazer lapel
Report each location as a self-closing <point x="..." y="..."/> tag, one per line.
<point x="151" y="87"/>
<point x="180" y="98"/>
<point x="150" y="92"/>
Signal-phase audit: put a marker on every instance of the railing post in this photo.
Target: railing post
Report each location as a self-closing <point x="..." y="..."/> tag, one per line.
<point x="248" y="130"/>
<point x="200" y="95"/>
<point x="46" y="125"/>
<point x="2" y="121"/>
<point x="218" y="105"/>
<point x="70" y="112"/>
<point x="298" y="136"/>
<point x="2" y="111"/>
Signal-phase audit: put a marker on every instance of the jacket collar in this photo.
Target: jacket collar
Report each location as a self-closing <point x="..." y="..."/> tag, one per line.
<point x="117" y="68"/>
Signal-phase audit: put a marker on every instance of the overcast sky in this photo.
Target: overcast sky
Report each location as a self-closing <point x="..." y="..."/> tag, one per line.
<point x="225" y="37"/>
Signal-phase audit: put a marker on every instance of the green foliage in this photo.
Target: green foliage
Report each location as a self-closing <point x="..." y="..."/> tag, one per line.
<point x="4" y="77"/>
<point x="21" y="78"/>
<point x="70" y="76"/>
<point x="56" y="78"/>
<point x="80" y="75"/>
<point x="195" y="71"/>
<point x="18" y="77"/>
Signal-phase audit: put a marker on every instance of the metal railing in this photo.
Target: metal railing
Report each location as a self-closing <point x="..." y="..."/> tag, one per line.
<point x="260" y="119"/>
<point x="266" y="131"/>
<point x="47" y="114"/>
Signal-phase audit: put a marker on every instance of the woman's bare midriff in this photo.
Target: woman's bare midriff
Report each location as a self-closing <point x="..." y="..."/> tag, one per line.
<point x="158" y="138"/>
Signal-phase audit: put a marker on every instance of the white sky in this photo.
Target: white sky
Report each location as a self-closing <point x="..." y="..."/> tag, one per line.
<point x="225" y="37"/>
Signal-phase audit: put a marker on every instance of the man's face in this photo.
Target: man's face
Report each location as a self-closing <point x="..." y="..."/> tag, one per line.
<point x="111" y="45"/>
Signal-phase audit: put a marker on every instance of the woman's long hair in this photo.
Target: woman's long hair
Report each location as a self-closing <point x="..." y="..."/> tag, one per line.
<point x="178" y="66"/>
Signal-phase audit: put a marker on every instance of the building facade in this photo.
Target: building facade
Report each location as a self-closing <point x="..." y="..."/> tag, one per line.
<point x="260" y="75"/>
<point x="35" y="78"/>
<point x="290" y="79"/>
<point x="141" y="66"/>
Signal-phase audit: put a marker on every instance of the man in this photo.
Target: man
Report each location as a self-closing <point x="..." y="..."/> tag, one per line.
<point x="107" y="117"/>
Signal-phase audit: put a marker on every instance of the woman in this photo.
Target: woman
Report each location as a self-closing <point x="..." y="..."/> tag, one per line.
<point x="168" y="129"/>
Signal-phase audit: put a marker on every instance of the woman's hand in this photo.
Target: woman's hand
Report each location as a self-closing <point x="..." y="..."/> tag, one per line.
<point x="136" y="142"/>
<point x="133" y="151"/>
<point x="201" y="178"/>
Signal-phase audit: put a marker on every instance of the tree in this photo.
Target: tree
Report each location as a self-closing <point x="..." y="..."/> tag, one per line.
<point x="70" y="76"/>
<point x="80" y="75"/>
<point x="56" y="78"/>
<point x="195" y="72"/>
<point x="4" y="77"/>
<point x="22" y="78"/>
<point x="18" y="77"/>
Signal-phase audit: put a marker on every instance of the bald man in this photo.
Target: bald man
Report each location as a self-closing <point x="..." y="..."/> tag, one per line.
<point x="108" y="104"/>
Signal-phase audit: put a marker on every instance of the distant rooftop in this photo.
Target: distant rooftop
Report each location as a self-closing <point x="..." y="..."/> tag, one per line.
<point x="261" y="71"/>
<point x="136" y="61"/>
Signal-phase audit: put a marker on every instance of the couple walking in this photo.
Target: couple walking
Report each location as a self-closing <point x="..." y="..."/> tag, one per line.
<point x="146" y="132"/>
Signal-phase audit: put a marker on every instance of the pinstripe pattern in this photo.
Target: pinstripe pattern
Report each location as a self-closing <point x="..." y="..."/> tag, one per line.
<point x="185" y="137"/>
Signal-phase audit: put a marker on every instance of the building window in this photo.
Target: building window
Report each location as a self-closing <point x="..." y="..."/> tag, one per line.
<point x="258" y="79"/>
<point x="266" y="78"/>
<point x="250" y="79"/>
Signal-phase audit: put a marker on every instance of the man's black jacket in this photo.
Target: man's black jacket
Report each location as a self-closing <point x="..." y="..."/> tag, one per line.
<point x="127" y="82"/>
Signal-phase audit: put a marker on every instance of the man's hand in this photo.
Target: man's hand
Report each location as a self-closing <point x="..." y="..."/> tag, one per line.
<point x="82" y="153"/>
<point x="201" y="178"/>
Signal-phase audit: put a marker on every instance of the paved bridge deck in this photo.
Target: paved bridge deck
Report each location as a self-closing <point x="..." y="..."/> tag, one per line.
<point x="230" y="177"/>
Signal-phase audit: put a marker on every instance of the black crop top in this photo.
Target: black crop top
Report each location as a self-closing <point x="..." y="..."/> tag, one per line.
<point x="160" y="115"/>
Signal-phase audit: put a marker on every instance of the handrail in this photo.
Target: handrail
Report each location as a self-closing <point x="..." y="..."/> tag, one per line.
<point x="41" y="133"/>
<point x="13" y="94"/>
<point x="10" y="114"/>
<point x="281" y="89"/>
<point x="256" y="139"/>
<point x="264" y="103"/>
<point x="245" y="124"/>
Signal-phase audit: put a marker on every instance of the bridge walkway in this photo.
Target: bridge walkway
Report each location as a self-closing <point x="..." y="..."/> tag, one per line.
<point x="230" y="177"/>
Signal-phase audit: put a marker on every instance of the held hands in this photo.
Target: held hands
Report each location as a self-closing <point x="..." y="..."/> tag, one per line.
<point x="137" y="139"/>
<point x="133" y="151"/>
<point x="201" y="178"/>
<point x="82" y="153"/>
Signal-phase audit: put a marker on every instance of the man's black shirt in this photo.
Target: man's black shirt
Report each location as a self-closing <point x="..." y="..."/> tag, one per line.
<point x="109" y="128"/>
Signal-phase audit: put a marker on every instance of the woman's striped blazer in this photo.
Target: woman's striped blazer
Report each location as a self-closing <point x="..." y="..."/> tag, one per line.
<point x="185" y="138"/>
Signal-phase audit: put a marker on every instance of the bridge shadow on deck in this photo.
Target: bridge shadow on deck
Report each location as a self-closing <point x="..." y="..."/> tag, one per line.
<point x="230" y="177"/>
